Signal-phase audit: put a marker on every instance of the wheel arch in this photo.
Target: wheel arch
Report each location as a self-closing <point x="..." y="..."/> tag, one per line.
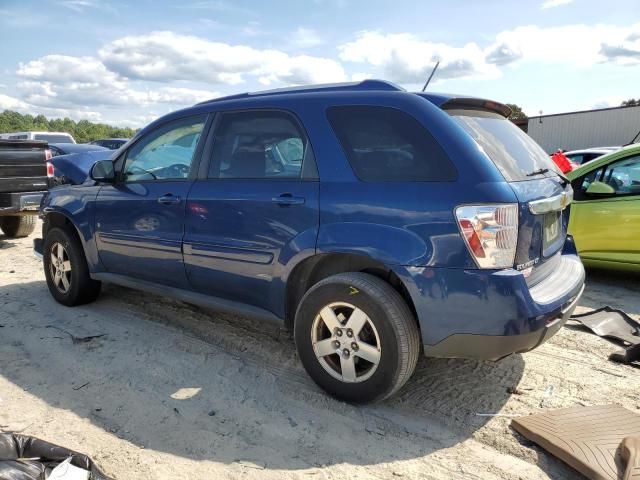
<point x="60" y="219"/>
<point x="313" y="269"/>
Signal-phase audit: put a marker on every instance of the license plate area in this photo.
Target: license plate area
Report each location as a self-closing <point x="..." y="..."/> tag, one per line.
<point x="552" y="232"/>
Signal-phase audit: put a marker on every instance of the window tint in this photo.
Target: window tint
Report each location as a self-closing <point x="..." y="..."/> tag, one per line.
<point x="257" y="145"/>
<point x="515" y="153"/>
<point x="386" y="144"/>
<point x="165" y="153"/>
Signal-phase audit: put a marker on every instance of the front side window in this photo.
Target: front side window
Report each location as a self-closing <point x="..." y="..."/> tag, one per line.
<point x="386" y="144"/>
<point x="165" y="153"/>
<point x="617" y="179"/>
<point x="260" y="144"/>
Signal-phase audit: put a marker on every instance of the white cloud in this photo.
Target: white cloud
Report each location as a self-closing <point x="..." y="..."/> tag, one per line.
<point x="605" y="102"/>
<point x="582" y="45"/>
<point x="80" y="6"/>
<point x="555" y="3"/>
<point x="306" y="38"/>
<point x="11" y="103"/>
<point x="167" y="56"/>
<point x="405" y="58"/>
<point x="69" y="82"/>
<point x="15" y="104"/>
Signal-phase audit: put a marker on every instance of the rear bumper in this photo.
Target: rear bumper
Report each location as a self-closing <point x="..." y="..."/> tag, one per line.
<point x="20" y="203"/>
<point x="495" y="347"/>
<point x="490" y="314"/>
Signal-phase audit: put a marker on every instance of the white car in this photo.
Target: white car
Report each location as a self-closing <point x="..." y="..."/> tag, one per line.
<point x="580" y="157"/>
<point x="51" y="137"/>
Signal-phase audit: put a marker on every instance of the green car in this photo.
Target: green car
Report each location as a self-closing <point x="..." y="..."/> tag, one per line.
<point x="605" y="213"/>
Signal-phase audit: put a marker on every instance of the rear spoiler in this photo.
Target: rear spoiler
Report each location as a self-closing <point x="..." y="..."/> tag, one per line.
<point x="470" y="103"/>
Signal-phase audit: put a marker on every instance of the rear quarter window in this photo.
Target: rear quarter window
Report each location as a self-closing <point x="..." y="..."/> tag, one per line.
<point x="514" y="153"/>
<point x="384" y="144"/>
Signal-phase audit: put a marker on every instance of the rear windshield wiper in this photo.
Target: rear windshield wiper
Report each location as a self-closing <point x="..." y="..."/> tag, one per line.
<point x="540" y="171"/>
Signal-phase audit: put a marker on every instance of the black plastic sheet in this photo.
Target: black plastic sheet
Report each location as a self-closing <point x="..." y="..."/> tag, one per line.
<point x="27" y="458"/>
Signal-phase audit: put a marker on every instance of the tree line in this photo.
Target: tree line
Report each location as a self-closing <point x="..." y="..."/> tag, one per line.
<point x="632" y="102"/>
<point x="83" y="131"/>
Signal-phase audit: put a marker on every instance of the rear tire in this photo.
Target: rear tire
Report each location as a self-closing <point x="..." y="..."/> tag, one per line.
<point x="66" y="270"/>
<point x="366" y="363"/>
<point x="18" y="226"/>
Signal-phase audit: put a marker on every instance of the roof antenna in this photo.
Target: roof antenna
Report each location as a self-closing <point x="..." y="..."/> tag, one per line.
<point x="431" y="76"/>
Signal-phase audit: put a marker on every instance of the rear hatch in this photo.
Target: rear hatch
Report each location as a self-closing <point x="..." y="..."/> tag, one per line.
<point x="23" y="166"/>
<point x="542" y="192"/>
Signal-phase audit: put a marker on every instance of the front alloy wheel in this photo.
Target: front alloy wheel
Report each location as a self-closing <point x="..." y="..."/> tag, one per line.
<point x="65" y="268"/>
<point x="60" y="267"/>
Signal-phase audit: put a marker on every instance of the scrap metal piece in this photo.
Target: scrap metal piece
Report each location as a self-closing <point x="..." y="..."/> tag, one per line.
<point x="611" y="323"/>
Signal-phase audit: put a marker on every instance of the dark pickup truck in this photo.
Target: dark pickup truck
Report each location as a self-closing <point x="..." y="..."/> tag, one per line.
<point x="23" y="181"/>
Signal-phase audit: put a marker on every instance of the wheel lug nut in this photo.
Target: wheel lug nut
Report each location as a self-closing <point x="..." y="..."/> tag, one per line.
<point x="354" y="346"/>
<point x="336" y="344"/>
<point x="339" y="332"/>
<point x="349" y="333"/>
<point x="346" y="353"/>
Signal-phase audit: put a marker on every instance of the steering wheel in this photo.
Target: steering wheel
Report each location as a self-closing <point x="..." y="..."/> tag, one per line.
<point x="177" y="170"/>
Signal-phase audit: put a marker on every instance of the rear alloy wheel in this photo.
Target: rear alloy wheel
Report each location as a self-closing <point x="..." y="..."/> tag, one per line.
<point x="356" y="337"/>
<point x="346" y="342"/>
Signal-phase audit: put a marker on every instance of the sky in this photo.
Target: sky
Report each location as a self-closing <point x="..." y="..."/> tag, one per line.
<point x="127" y="62"/>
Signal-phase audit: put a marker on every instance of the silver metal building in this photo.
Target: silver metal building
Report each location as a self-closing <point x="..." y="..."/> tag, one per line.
<point x="590" y="128"/>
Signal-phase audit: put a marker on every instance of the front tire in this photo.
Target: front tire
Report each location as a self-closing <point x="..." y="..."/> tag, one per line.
<point x="356" y="337"/>
<point x="66" y="270"/>
<point x="18" y="226"/>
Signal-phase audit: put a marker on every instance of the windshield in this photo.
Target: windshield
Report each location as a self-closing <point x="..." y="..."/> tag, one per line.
<point x="516" y="154"/>
<point x="53" y="138"/>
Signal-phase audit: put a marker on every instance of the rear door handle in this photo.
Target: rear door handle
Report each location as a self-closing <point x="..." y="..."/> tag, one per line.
<point x="169" y="199"/>
<point x="287" y="199"/>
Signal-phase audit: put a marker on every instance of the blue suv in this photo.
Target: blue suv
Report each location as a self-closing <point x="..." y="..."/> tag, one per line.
<point x="372" y="221"/>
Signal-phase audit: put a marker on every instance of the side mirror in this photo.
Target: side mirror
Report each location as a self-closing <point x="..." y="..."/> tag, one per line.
<point x="103" y="171"/>
<point x="600" y="188"/>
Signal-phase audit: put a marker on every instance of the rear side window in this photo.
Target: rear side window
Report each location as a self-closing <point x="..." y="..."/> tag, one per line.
<point x="258" y="145"/>
<point x="516" y="154"/>
<point x="386" y="144"/>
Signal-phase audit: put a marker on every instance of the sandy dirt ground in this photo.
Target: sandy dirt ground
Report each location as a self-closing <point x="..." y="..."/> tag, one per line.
<point x="172" y="391"/>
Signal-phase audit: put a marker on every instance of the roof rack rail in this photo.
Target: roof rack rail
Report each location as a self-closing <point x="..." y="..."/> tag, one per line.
<point x="364" y="85"/>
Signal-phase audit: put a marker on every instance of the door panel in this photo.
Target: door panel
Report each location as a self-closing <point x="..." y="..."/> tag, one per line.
<point x="140" y="218"/>
<point x="237" y="236"/>
<point x="607" y="229"/>
<point x="139" y="236"/>
<point x="254" y="212"/>
<point x="607" y="226"/>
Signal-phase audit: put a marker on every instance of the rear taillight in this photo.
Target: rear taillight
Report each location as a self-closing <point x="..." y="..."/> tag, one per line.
<point x="47" y="158"/>
<point x="490" y="232"/>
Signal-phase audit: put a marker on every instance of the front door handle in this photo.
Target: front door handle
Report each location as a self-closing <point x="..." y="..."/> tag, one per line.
<point x="287" y="199"/>
<point x="169" y="199"/>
